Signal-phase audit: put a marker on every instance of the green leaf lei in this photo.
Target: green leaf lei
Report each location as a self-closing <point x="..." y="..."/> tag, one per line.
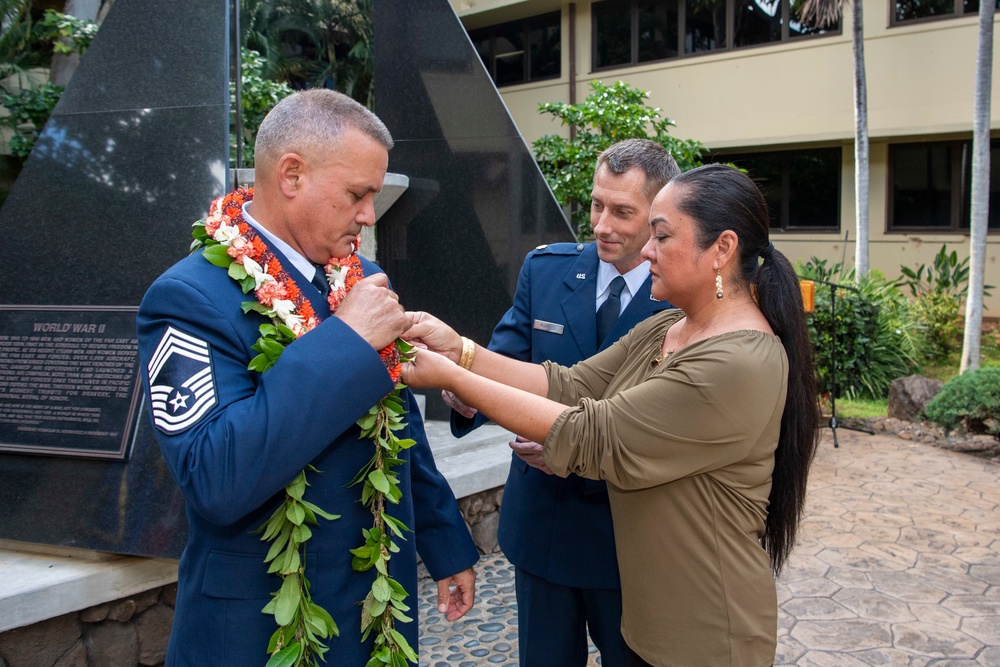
<point x="303" y="625"/>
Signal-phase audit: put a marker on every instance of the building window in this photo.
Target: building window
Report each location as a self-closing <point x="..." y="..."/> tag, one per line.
<point x="802" y="187"/>
<point x="630" y="32"/>
<point x="930" y="186"/>
<point x="704" y="25"/>
<point x="520" y="51"/>
<point x="908" y="11"/>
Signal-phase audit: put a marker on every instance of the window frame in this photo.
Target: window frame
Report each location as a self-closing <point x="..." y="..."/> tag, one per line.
<point x="956" y="13"/>
<point x="956" y="164"/>
<point x="726" y="155"/>
<point x="681" y="6"/>
<point x="525" y="25"/>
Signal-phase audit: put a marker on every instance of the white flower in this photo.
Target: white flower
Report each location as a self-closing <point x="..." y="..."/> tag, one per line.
<point x="254" y="269"/>
<point x="226" y="233"/>
<point x="283" y="308"/>
<point x="336" y="277"/>
<point x="294" y="322"/>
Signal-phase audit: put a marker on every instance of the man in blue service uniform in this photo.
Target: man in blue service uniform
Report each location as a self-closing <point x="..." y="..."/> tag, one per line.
<point x="234" y="438"/>
<point x="572" y="301"/>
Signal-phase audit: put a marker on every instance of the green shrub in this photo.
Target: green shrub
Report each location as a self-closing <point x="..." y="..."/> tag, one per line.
<point x="259" y="95"/>
<point x="29" y="110"/>
<point x="608" y="115"/>
<point x="69" y="33"/>
<point x="939" y="317"/>
<point x="870" y="337"/>
<point x="28" y="43"/>
<point x="971" y="400"/>
<point x="938" y="290"/>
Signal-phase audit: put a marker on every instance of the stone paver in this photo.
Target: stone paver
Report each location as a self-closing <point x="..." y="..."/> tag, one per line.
<point x="897" y="563"/>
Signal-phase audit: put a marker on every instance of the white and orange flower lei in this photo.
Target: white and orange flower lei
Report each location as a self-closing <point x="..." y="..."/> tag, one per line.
<point x="229" y="242"/>
<point x="274" y="288"/>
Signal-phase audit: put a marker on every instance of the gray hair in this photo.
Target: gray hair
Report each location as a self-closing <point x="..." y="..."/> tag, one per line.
<point x="654" y="160"/>
<point x="312" y="119"/>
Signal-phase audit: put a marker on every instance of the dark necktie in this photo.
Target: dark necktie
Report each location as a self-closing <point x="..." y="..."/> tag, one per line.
<point x="320" y="281"/>
<point x="608" y="313"/>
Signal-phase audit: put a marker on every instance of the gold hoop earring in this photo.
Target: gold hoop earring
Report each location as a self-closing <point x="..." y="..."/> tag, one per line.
<point x="718" y="284"/>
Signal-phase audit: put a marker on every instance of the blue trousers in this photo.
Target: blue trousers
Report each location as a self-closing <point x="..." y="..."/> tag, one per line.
<point x="553" y="622"/>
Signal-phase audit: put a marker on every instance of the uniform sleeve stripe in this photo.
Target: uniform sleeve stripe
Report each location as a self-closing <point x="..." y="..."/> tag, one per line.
<point x="181" y="343"/>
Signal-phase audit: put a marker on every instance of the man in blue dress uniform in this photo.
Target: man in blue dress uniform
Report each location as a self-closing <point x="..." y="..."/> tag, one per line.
<point x="234" y="438"/>
<point x="573" y="300"/>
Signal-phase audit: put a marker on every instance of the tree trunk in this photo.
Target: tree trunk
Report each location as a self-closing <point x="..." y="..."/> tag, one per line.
<point x="980" y="190"/>
<point x="860" y="143"/>
<point x="105" y="8"/>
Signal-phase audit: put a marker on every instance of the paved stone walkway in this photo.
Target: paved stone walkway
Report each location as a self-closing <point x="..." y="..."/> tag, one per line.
<point x="898" y="564"/>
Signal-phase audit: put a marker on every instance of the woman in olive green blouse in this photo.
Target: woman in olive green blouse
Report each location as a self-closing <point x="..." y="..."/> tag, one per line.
<point x="703" y="421"/>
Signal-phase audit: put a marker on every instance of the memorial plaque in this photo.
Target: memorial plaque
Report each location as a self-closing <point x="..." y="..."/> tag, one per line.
<point x="68" y="380"/>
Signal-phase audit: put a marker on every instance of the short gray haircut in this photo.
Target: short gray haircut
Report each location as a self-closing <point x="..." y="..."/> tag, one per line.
<point x="312" y="119"/>
<point x="654" y="160"/>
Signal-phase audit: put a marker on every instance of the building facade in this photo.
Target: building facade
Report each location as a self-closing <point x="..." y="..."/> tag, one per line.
<point x="776" y="97"/>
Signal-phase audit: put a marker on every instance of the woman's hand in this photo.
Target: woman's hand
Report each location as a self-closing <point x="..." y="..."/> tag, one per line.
<point x="429" y="370"/>
<point x="430" y="332"/>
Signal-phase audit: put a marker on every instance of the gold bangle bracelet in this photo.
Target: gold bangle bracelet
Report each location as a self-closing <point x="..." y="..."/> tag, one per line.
<point x="468" y="353"/>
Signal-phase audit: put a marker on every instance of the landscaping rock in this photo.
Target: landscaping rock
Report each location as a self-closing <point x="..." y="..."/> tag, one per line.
<point x="909" y="396"/>
<point x="484" y="533"/>
<point x="41" y="644"/>
<point x="112" y="644"/>
<point x="153" y="630"/>
<point x="958" y="440"/>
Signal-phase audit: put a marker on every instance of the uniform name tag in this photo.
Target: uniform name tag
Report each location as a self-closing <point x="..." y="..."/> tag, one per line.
<point x="551" y="327"/>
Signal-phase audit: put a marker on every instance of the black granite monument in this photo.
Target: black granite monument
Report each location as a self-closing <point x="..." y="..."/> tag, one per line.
<point x="477" y="202"/>
<point x="134" y="152"/>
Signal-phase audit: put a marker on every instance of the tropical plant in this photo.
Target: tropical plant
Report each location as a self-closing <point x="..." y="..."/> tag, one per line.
<point x="314" y="43"/>
<point x="939" y="316"/>
<point x="938" y="289"/>
<point x="863" y="337"/>
<point x="30" y="104"/>
<point x="24" y="43"/>
<point x="69" y="33"/>
<point x="258" y="96"/>
<point x="341" y="34"/>
<point x="609" y="114"/>
<point x="28" y="110"/>
<point x="947" y="275"/>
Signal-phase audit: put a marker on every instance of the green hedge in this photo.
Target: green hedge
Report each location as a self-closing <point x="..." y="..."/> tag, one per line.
<point x="971" y="400"/>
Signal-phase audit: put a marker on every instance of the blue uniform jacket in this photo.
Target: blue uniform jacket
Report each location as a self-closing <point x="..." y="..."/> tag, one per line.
<point x="558" y="528"/>
<point x="241" y="436"/>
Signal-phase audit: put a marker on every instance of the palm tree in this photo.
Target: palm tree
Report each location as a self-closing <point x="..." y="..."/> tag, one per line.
<point x="822" y="13"/>
<point x="314" y="43"/>
<point x="980" y="190"/>
<point x="22" y="45"/>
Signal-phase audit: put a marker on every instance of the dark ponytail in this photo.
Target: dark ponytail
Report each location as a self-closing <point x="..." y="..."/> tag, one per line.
<point x="718" y="198"/>
<point x="780" y="299"/>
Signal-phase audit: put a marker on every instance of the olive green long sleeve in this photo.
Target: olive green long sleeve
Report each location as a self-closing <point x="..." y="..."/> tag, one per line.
<point x="687" y="445"/>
